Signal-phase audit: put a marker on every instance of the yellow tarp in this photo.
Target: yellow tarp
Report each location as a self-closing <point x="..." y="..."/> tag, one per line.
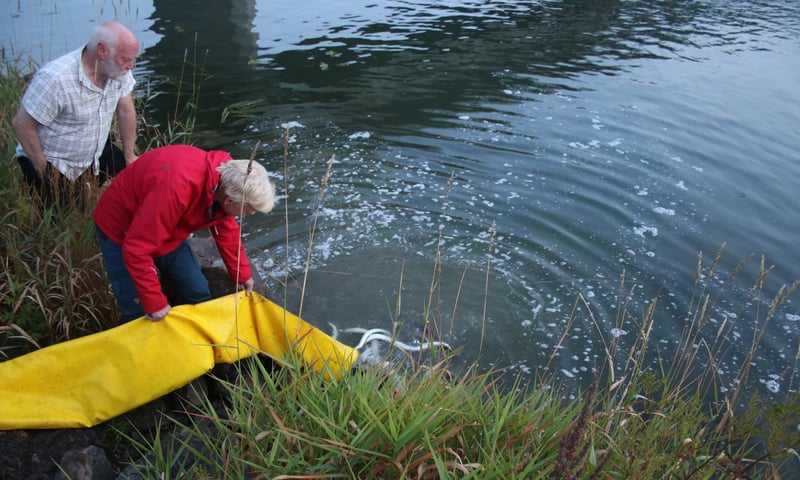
<point x="86" y="381"/>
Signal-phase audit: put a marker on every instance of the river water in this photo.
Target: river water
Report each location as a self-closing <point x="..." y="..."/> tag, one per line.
<point x="496" y="163"/>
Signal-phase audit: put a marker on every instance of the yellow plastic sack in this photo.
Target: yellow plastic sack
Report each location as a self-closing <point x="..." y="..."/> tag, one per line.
<point x="86" y="381"/>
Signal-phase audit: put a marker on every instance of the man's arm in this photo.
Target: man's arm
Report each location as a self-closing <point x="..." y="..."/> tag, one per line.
<point x="126" y="117"/>
<point x="25" y="129"/>
<point x="226" y="234"/>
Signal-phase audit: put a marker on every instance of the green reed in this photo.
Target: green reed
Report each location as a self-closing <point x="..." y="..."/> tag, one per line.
<point x="432" y="421"/>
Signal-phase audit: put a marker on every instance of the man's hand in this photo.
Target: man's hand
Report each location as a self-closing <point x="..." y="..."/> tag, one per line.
<point x="247" y="286"/>
<point x="159" y="315"/>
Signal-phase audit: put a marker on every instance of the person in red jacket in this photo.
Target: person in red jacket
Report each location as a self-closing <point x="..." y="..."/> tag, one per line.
<point x="146" y="215"/>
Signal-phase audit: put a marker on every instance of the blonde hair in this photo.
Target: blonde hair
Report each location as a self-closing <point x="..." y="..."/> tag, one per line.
<point x="252" y="188"/>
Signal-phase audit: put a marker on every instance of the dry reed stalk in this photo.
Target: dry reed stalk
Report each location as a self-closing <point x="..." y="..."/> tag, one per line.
<point x="486" y="287"/>
<point x="309" y="251"/>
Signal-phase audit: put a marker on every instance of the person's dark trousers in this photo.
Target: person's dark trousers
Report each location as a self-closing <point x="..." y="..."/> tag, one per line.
<point x="54" y="186"/>
<point x="112" y="161"/>
<point x="180" y="265"/>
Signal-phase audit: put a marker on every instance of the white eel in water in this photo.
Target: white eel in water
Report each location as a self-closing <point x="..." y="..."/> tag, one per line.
<point x="386" y="336"/>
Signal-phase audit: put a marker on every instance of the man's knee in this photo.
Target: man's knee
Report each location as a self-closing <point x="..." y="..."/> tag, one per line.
<point x="197" y="290"/>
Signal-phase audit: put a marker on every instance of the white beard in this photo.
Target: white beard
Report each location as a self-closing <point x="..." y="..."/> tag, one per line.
<point x="110" y="69"/>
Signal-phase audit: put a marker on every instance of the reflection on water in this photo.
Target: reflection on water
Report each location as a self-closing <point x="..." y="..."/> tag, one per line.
<point x="602" y="140"/>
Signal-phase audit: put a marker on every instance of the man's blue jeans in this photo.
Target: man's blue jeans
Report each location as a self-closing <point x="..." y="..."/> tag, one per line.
<point x="180" y="265"/>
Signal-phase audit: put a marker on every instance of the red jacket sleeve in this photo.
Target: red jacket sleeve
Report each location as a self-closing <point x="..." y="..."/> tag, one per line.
<point x="227" y="235"/>
<point x="154" y="221"/>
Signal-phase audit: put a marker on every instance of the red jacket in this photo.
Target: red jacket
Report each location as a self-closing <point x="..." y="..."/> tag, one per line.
<point x="156" y="202"/>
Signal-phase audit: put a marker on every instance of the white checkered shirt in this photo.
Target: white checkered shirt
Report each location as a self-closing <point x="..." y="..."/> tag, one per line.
<point x="74" y="114"/>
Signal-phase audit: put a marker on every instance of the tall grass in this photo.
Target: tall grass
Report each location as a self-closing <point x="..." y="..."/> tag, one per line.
<point x="180" y="123"/>
<point x="432" y="422"/>
<point x="53" y="285"/>
<point x="50" y="288"/>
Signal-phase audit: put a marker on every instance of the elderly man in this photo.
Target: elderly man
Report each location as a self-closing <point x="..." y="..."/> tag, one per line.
<point x="65" y="115"/>
<point x="148" y="212"/>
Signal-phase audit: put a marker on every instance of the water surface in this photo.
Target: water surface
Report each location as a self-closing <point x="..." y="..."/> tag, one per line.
<point x="541" y="151"/>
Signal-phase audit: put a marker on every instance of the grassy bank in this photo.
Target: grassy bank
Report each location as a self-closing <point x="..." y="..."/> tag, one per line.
<point x="424" y="421"/>
<point x="52" y="287"/>
<point x="633" y="422"/>
<point x="53" y="284"/>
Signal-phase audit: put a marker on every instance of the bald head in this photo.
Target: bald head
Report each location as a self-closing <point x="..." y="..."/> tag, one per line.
<point x="112" y="50"/>
<point x="114" y="36"/>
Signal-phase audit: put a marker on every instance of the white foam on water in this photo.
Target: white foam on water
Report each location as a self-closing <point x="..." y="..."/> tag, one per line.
<point x="641" y="230"/>
<point x="394" y="219"/>
<point x="292" y="124"/>
<point x="618" y="332"/>
<point x="665" y="211"/>
<point x="772" y="384"/>
<point x="359" y="135"/>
